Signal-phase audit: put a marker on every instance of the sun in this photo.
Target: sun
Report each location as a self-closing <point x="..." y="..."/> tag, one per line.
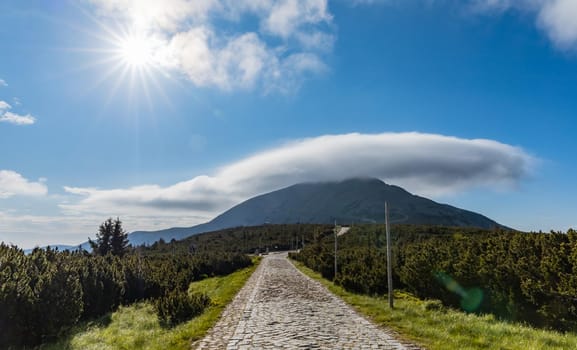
<point x="134" y="62"/>
<point x="136" y="51"/>
<point x="141" y="51"/>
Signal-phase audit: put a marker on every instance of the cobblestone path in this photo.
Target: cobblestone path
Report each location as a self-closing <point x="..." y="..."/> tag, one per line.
<point x="281" y="308"/>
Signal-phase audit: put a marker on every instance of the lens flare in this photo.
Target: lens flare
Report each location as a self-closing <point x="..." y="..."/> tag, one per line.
<point x="471" y="299"/>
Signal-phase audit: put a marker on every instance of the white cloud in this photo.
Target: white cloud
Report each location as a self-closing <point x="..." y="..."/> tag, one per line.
<point x="28" y="231"/>
<point x="210" y="43"/>
<point x="239" y="63"/>
<point x="13" y="184"/>
<point x="558" y="18"/>
<point x="285" y="17"/>
<point x="13" y="118"/>
<point x="426" y="164"/>
<point x="3" y="82"/>
<point x="166" y="15"/>
<point x="4" y="106"/>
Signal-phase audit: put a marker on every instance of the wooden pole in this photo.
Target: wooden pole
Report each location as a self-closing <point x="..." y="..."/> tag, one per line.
<point x="335" y="229"/>
<point x="389" y="255"/>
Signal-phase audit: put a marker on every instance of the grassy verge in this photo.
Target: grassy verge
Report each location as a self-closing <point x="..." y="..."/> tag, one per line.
<point x="446" y="329"/>
<point x="137" y="326"/>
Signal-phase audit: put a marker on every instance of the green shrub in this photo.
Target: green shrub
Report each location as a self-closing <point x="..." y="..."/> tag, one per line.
<point x="430" y="305"/>
<point x="526" y="277"/>
<point x="178" y="306"/>
<point x="45" y="293"/>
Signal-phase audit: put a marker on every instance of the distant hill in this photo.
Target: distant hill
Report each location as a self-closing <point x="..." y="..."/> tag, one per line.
<point x="346" y="202"/>
<point x="63" y="247"/>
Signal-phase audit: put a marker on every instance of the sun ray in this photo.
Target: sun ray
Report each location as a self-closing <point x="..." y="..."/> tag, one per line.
<point x="130" y="64"/>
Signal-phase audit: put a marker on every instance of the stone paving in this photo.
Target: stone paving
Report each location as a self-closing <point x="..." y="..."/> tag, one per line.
<point x="281" y="308"/>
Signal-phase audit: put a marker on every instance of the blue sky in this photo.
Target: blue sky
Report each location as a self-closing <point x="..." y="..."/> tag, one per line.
<point x="166" y="113"/>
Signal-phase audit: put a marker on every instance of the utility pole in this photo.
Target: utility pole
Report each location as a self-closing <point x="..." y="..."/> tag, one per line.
<point x="389" y="265"/>
<point x="335" y="230"/>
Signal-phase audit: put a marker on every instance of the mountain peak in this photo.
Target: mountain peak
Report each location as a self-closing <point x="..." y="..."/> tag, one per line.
<point x="355" y="200"/>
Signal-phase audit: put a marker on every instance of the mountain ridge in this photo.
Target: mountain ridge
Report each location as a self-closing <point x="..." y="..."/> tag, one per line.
<point x="358" y="200"/>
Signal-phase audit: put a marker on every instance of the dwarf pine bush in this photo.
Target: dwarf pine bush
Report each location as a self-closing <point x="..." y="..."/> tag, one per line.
<point x="178" y="306"/>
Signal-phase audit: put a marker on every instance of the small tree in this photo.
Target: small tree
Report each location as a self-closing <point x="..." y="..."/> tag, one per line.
<point x="111" y="238"/>
<point x="119" y="239"/>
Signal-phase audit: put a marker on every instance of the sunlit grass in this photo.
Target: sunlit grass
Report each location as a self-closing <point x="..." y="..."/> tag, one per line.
<point x="137" y="326"/>
<point x="446" y="329"/>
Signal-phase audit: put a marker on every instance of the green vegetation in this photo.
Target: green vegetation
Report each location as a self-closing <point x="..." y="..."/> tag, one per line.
<point x="178" y="306"/>
<point x="494" y="276"/>
<point x="429" y="324"/>
<point x="247" y="240"/>
<point x="138" y="327"/>
<point x="521" y="277"/>
<point x="46" y="293"/>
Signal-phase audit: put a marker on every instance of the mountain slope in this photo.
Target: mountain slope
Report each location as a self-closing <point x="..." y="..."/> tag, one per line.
<point x="346" y="202"/>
